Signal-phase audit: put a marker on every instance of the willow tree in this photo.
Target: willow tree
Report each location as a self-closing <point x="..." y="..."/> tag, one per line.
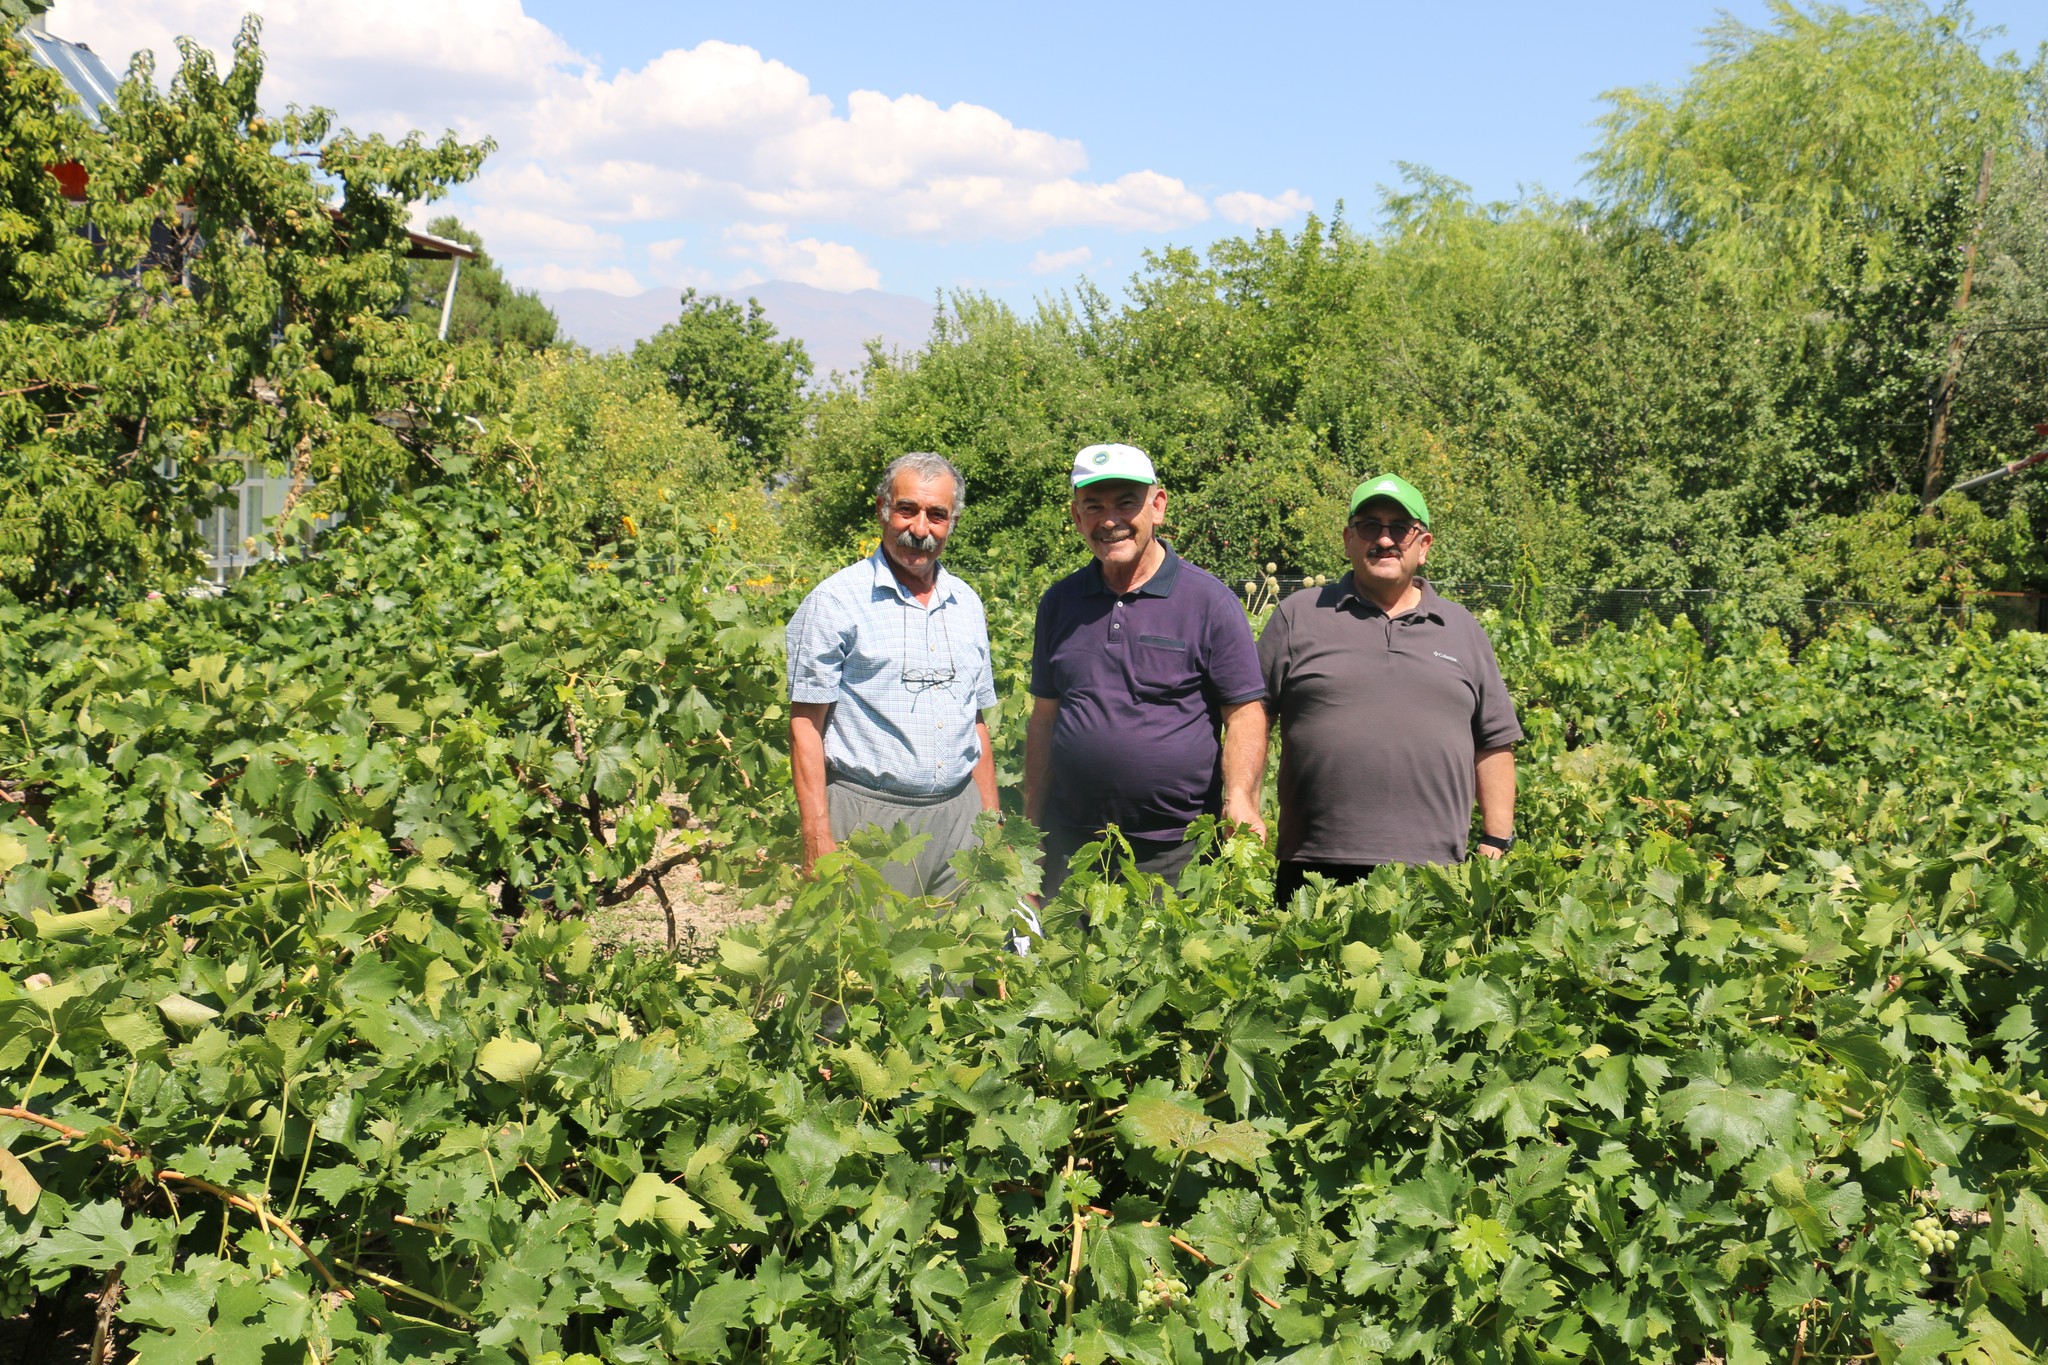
<point x="1828" y="120"/>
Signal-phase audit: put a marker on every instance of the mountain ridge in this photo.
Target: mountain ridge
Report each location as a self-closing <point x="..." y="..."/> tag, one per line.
<point x="834" y="326"/>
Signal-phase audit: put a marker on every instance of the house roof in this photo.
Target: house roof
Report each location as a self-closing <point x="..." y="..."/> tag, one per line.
<point x="421" y="245"/>
<point x="77" y="65"/>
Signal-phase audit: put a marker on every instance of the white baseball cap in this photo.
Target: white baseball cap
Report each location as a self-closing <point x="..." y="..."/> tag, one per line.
<point x="1098" y="462"/>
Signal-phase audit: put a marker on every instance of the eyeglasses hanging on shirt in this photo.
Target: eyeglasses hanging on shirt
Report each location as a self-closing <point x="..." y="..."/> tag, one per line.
<point x="930" y="676"/>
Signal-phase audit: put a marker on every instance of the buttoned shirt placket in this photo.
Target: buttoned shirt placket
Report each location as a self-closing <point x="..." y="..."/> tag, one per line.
<point x="924" y="615"/>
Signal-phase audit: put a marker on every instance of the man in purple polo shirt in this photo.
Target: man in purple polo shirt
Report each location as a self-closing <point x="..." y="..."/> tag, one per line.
<point x="1147" y="708"/>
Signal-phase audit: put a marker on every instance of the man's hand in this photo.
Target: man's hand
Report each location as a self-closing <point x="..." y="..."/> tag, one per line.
<point x="985" y="768"/>
<point x="1490" y="851"/>
<point x="1239" y="814"/>
<point x="1494" y="776"/>
<point x="1244" y="765"/>
<point x="817" y="843"/>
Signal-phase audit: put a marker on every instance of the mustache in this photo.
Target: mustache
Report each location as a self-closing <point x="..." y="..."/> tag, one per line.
<point x="929" y="544"/>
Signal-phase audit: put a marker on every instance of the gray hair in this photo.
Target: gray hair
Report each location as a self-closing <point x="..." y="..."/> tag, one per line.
<point x="925" y="465"/>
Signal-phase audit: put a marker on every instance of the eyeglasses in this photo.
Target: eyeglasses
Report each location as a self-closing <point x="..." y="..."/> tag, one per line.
<point x="920" y="679"/>
<point x="924" y="679"/>
<point x="1397" y="531"/>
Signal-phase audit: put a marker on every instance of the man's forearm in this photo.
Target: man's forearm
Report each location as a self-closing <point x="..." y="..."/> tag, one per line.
<point x="807" y="775"/>
<point x="1038" y="759"/>
<point x="1494" y="775"/>
<point x="1244" y="752"/>
<point x="985" y="769"/>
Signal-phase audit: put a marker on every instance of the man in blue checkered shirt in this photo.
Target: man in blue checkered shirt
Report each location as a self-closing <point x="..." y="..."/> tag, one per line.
<point x="889" y="672"/>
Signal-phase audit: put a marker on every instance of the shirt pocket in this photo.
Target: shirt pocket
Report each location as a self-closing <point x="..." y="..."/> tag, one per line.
<point x="1162" y="668"/>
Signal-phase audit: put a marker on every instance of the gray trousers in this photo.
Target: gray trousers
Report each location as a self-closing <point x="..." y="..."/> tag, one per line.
<point x="948" y="819"/>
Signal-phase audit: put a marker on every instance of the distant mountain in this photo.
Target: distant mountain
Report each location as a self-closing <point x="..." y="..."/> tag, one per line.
<point x="611" y="322"/>
<point x="833" y="327"/>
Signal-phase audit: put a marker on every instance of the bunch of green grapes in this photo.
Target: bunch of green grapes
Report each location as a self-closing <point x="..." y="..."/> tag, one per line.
<point x="1932" y="1238"/>
<point x="17" y="1295"/>
<point x="1161" y="1294"/>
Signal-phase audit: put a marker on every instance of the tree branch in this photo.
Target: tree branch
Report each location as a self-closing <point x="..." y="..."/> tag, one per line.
<point x="641" y="879"/>
<point x="129" y="1154"/>
<point x="103" y="1318"/>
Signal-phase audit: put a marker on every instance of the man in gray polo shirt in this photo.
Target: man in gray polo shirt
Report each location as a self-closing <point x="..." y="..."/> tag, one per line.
<point x="1145" y="684"/>
<point x="1391" y="707"/>
<point x="889" y="672"/>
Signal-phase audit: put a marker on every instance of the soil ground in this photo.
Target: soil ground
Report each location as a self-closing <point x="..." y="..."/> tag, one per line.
<point x="704" y="911"/>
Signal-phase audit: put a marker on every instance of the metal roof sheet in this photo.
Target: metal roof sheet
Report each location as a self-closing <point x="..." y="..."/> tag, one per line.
<point x="78" y="66"/>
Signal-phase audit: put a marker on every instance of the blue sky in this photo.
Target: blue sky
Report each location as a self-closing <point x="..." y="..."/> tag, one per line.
<point x="922" y="147"/>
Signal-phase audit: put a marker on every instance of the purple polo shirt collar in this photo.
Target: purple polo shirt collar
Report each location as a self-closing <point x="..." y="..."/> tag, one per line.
<point x="1159" y="584"/>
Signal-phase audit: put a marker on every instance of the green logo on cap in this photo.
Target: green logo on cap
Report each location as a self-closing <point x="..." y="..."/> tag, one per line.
<point x="1102" y="457"/>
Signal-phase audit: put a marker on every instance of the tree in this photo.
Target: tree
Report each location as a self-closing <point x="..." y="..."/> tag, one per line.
<point x="487" y="308"/>
<point x="1007" y="398"/>
<point x="599" y="445"/>
<point x="733" y="373"/>
<point x="1829" y="121"/>
<point x="219" y="314"/>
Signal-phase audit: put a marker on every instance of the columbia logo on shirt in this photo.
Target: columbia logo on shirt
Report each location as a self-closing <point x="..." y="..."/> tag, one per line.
<point x="1441" y="655"/>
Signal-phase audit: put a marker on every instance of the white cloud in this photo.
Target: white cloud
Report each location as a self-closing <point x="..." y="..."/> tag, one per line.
<point x="616" y="280"/>
<point x="509" y="230"/>
<point x="384" y="65"/>
<point x="828" y="265"/>
<point x="1256" y="210"/>
<point x="714" y="133"/>
<point x="1058" y="262"/>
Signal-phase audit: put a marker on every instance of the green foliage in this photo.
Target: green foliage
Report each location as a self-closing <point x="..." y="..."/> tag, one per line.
<point x="1757" y="1004"/>
<point x="1008" y="399"/>
<point x="221" y="314"/>
<point x="731" y="372"/>
<point x="595" y="440"/>
<point x="2005" y="369"/>
<point x="1901" y="555"/>
<point x="1651" y="391"/>
<point x="451" y="682"/>
<point x="487" y="308"/>
<point x="1831" y="119"/>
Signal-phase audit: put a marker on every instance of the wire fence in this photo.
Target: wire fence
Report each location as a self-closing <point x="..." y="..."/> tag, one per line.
<point x="1575" y="612"/>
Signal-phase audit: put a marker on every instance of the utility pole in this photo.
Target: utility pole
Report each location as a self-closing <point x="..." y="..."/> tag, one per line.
<point x="1945" y="392"/>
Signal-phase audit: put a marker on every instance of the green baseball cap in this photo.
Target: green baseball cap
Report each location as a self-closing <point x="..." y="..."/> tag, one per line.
<point x="1395" y="487"/>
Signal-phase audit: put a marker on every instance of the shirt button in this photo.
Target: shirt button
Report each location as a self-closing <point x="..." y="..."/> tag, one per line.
<point x="1116" y="625"/>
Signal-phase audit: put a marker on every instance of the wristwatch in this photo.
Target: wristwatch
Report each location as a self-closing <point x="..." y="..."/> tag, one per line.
<point x="1503" y="842"/>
